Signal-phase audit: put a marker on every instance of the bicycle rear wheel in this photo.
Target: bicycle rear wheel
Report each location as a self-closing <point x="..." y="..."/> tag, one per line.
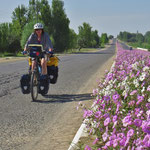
<point x="34" y="86"/>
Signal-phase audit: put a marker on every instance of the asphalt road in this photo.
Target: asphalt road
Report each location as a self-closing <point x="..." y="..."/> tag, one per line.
<point x="22" y="121"/>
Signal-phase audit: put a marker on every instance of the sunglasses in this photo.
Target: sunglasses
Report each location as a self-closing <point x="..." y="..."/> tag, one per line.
<point x="38" y="29"/>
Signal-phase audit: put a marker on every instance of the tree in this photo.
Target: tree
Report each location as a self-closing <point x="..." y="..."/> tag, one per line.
<point x="28" y="29"/>
<point x="19" y="19"/>
<point x="147" y="37"/>
<point x="46" y="15"/>
<point x="61" y="29"/>
<point x="72" y="39"/>
<point x="85" y="35"/>
<point x="139" y="38"/>
<point x="95" y="39"/>
<point x="104" y="38"/>
<point x="34" y="10"/>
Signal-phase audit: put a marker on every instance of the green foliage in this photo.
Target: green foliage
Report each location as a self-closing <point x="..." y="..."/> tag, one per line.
<point x="28" y="29"/>
<point x="46" y="15"/>
<point x="136" y="39"/>
<point x="104" y="39"/>
<point x="61" y="29"/>
<point x="85" y="35"/>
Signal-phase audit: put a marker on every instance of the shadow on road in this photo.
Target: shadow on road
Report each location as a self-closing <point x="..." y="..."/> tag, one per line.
<point x="64" y="98"/>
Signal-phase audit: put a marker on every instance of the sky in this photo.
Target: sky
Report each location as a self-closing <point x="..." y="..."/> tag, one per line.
<point x="106" y="16"/>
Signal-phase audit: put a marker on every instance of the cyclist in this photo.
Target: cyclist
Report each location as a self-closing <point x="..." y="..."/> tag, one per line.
<point x="40" y="37"/>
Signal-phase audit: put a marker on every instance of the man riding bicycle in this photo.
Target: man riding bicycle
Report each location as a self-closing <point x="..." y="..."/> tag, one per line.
<point x="40" y="37"/>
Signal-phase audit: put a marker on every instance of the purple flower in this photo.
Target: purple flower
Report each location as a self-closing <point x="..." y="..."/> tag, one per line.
<point x="106" y="98"/>
<point x="105" y="136"/>
<point x="114" y="118"/>
<point x="115" y="143"/>
<point x="87" y="148"/>
<point x="115" y="97"/>
<point x="131" y="103"/>
<point x="95" y="141"/>
<point x="146" y="127"/>
<point x="138" y="122"/>
<point x="146" y="140"/>
<point x="120" y="136"/>
<point x="130" y="133"/>
<point x="148" y="88"/>
<point x="127" y="121"/>
<point x="123" y="141"/>
<point x="140" y="99"/>
<point x="98" y="114"/>
<point x="133" y="92"/>
<point x="87" y="113"/>
<point x="107" y="121"/>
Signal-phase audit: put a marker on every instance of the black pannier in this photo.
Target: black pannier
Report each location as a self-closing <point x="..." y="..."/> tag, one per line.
<point x="53" y="73"/>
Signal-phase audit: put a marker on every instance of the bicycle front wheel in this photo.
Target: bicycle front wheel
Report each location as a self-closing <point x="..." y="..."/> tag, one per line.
<point x="34" y="86"/>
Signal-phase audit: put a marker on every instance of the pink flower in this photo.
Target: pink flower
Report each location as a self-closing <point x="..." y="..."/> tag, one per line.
<point x="146" y="127"/>
<point x="115" y="143"/>
<point x="127" y="121"/>
<point x="87" y="148"/>
<point x="115" y="97"/>
<point x="105" y="136"/>
<point x="114" y="118"/>
<point x="130" y="133"/>
<point x="148" y="88"/>
<point x="98" y="114"/>
<point x="95" y="141"/>
<point x="146" y="140"/>
<point x="131" y="103"/>
<point x="140" y="99"/>
<point x="133" y="92"/>
<point x="107" y="121"/>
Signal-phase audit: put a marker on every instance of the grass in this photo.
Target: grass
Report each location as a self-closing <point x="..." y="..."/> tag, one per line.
<point x="7" y="54"/>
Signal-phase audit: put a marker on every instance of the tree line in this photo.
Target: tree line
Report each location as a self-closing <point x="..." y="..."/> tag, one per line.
<point x="14" y="35"/>
<point x="136" y="39"/>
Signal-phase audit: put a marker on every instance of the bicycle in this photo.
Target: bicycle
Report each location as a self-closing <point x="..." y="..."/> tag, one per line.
<point x="35" y="51"/>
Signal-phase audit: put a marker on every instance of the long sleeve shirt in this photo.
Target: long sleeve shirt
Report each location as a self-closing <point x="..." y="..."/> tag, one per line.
<point x="45" y="41"/>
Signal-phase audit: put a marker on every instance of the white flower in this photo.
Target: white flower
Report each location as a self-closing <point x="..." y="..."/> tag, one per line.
<point x="142" y="77"/>
<point x="145" y="68"/>
<point x="135" y="82"/>
<point x="148" y="100"/>
<point x="134" y="66"/>
<point x="124" y="93"/>
<point x="143" y="89"/>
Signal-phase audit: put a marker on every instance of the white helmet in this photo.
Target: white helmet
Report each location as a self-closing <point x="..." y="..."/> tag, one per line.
<point x="38" y="26"/>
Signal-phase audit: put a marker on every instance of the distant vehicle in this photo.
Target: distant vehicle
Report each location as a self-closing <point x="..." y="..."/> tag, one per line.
<point x="130" y="47"/>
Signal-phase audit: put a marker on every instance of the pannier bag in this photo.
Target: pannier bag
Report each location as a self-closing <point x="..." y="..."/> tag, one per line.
<point x="25" y="84"/>
<point x="44" y="85"/>
<point x="52" y="69"/>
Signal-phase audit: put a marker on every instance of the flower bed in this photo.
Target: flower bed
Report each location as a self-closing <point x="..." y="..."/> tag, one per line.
<point x="120" y="116"/>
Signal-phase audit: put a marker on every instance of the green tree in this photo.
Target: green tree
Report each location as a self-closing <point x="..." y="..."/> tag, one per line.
<point x="147" y="37"/>
<point x="61" y="29"/>
<point x="34" y="10"/>
<point x="95" y="39"/>
<point x="28" y="29"/>
<point x="84" y="36"/>
<point x="104" y="39"/>
<point x="46" y="15"/>
<point x="19" y="19"/>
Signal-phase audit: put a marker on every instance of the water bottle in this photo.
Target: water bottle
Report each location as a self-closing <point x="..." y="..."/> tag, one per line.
<point x="40" y="70"/>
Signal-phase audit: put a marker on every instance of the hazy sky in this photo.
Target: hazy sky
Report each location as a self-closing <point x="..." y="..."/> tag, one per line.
<point x="106" y="16"/>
